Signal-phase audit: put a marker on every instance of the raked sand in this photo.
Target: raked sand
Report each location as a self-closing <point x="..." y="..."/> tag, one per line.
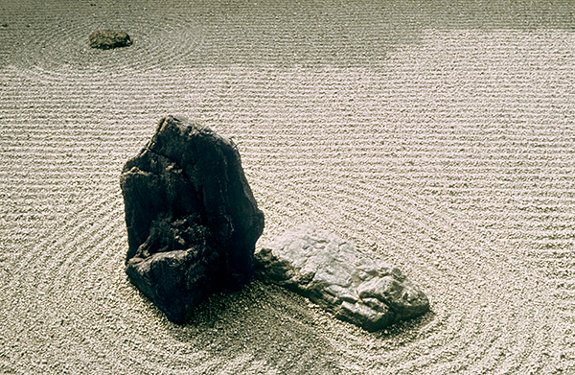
<point x="437" y="136"/>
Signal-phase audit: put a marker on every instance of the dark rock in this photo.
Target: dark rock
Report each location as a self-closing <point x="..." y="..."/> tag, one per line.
<point x="4" y="25"/>
<point x="191" y="217"/>
<point x="329" y="271"/>
<point x="107" y="39"/>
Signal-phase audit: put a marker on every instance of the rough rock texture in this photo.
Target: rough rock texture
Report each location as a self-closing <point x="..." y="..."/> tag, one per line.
<point x="107" y="39"/>
<point x="191" y="217"/>
<point x="330" y="272"/>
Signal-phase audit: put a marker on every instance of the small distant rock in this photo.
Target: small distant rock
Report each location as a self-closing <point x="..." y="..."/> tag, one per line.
<point x="108" y="39"/>
<point x="191" y="217"/>
<point x="329" y="271"/>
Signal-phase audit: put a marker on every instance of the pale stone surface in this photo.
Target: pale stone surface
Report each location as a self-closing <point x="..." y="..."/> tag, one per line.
<point x="329" y="271"/>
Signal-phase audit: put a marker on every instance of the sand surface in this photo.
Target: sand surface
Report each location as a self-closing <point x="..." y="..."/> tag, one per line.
<point x="438" y="136"/>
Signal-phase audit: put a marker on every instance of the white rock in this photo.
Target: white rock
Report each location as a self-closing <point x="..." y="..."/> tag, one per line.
<point x="330" y="272"/>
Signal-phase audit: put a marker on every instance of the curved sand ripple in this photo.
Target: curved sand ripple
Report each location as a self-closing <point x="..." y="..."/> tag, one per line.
<point x="438" y="138"/>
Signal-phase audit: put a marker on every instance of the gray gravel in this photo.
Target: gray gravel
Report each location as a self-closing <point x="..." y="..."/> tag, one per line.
<point x="438" y="136"/>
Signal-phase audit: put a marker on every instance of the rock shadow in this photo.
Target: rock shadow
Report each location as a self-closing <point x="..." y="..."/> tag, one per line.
<point x="262" y="322"/>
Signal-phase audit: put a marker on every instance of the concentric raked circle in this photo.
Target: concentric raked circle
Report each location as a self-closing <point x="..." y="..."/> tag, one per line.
<point x="51" y="44"/>
<point x="434" y="144"/>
